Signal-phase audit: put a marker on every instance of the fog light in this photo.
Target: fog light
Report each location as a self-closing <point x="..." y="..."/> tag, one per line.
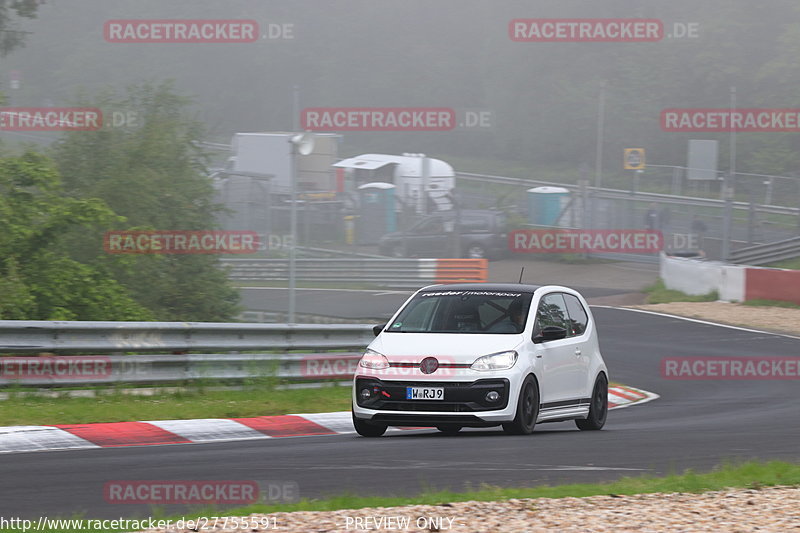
<point x="492" y="396"/>
<point x="365" y="394"/>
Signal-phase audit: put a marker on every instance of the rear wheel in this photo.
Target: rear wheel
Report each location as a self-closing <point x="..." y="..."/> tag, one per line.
<point x="527" y="409"/>
<point x="449" y="430"/>
<point x="365" y="428"/>
<point x="598" y="410"/>
<point x="475" y="251"/>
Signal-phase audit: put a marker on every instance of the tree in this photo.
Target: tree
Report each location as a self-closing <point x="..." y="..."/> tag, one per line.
<point x="38" y="278"/>
<point x="11" y="36"/>
<point x="151" y="172"/>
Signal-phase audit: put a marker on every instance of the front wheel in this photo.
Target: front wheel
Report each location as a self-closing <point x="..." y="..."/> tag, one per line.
<point x="527" y="409"/>
<point x="598" y="410"/>
<point x="365" y="428"/>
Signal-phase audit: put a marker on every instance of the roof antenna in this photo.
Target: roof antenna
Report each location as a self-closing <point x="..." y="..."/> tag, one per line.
<point x="522" y="271"/>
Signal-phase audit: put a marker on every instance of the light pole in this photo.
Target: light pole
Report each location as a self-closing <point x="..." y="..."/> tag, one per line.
<point x="302" y="144"/>
<point x="728" y="186"/>
<point x="598" y="157"/>
<point x="601" y="117"/>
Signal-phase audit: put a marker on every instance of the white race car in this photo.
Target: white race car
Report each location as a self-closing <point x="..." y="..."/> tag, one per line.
<point x="482" y="355"/>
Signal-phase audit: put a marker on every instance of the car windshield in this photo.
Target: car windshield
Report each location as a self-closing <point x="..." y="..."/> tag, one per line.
<point x="464" y="311"/>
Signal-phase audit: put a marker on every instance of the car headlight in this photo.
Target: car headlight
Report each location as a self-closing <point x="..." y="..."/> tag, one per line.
<point x="374" y="360"/>
<point x="495" y="361"/>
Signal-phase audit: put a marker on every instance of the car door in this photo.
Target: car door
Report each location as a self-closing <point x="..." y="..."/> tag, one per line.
<point x="561" y="375"/>
<point x="577" y="325"/>
<point x="428" y="238"/>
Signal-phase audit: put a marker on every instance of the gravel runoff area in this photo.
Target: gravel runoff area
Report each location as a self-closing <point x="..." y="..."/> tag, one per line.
<point x="769" y="509"/>
<point x="778" y="319"/>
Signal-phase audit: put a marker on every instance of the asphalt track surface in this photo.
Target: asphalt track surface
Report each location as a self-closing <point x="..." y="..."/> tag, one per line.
<point x="695" y="424"/>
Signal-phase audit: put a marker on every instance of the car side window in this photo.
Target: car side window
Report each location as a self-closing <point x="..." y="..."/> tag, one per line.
<point x="578" y="319"/>
<point x="432" y="226"/>
<point x="474" y="225"/>
<point x="552" y="311"/>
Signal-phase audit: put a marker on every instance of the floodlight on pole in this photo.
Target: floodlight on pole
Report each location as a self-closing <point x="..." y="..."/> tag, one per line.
<point x="302" y="144"/>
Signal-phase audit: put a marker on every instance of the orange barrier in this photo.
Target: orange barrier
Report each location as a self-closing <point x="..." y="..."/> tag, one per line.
<point x="462" y="270"/>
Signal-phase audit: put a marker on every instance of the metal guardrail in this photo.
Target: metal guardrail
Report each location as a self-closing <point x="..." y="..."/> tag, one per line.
<point x="762" y="254"/>
<point x="395" y="273"/>
<point x="147" y="337"/>
<point x="619" y="194"/>
<point x="70" y="371"/>
<point x="35" y="343"/>
<point x="308" y="251"/>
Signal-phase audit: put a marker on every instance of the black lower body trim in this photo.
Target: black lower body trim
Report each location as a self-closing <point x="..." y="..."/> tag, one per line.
<point x="432" y="420"/>
<point x="565" y="403"/>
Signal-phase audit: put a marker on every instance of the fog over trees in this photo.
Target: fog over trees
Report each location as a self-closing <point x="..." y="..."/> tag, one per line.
<point x="542" y="96"/>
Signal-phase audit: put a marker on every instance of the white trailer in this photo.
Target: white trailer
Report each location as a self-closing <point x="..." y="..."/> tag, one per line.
<point x="409" y="173"/>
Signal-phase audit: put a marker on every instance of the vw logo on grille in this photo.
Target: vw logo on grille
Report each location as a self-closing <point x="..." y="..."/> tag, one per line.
<point x="429" y="365"/>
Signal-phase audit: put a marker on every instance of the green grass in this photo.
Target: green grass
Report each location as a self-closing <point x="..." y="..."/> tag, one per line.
<point x="772" y="303"/>
<point x="791" y="264"/>
<point x="659" y="294"/>
<point x="753" y="475"/>
<point x="194" y="402"/>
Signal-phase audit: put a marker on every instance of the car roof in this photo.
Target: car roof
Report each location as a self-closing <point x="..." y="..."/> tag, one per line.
<point x="501" y="287"/>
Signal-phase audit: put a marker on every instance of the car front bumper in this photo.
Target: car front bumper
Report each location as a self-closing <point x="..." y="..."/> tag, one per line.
<point x="465" y="402"/>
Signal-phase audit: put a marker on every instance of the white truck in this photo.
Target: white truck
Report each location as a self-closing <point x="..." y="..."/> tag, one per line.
<point x="409" y="173"/>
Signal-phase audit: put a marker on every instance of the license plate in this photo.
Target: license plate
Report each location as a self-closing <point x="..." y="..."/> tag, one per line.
<point x="424" y="393"/>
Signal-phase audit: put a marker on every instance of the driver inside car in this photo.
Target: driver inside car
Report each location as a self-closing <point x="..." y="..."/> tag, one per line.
<point x="512" y="322"/>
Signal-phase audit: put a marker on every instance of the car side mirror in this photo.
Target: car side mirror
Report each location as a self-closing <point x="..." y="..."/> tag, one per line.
<point x="377" y="329"/>
<point x="550" y="333"/>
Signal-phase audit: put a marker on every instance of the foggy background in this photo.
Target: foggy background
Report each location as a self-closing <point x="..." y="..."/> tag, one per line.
<point x="543" y="97"/>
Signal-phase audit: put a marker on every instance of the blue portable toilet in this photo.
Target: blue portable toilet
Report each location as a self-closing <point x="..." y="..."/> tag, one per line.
<point x="377" y="214"/>
<point x="545" y="204"/>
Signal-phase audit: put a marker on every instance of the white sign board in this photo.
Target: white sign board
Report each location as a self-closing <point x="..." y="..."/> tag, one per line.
<point x="702" y="161"/>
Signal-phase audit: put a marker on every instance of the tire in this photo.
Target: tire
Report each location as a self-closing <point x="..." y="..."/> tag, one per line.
<point x="475" y="251"/>
<point x="527" y="409"/>
<point x="449" y="430"/>
<point x="366" y="428"/>
<point x="598" y="410"/>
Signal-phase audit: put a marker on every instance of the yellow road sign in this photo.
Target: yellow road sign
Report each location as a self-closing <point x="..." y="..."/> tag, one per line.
<point x="634" y="159"/>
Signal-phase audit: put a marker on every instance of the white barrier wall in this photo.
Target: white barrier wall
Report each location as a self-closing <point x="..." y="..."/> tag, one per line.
<point x="732" y="286"/>
<point x="698" y="277"/>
